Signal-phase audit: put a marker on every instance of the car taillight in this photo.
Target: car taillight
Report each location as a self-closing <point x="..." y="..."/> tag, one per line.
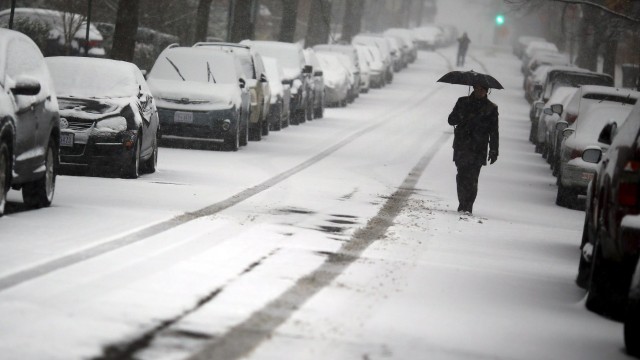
<point x="576" y="153"/>
<point x="628" y="193"/>
<point x="632" y="166"/>
<point x="571" y="118"/>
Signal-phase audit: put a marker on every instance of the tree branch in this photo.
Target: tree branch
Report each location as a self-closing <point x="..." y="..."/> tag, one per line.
<point x="587" y="3"/>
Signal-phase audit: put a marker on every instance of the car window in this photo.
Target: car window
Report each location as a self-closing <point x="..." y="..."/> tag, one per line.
<point x="23" y="58"/>
<point x="195" y="66"/>
<point x="74" y="77"/>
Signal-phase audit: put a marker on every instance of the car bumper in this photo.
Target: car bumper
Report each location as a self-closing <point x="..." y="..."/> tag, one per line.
<point x="337" y="94"/>
<point x="198" y="125"/>
<point x="98" y="149"/>
<point x="577" y="174"/>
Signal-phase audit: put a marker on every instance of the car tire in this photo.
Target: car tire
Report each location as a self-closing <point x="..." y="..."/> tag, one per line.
<point x="151" y="163"/>
<point x="39" y="193"/>
<point x="566" y="196"/>
<point x="584" y="266"/>
<point x="132" y="169"/>
<point x="265" y="127"/>
<point x="244" y="132"/>
<point x="318" y="112"/>
<point x="309" y="112"/>
<point x="4" y="175"/>
<point x="602" y="297"/>
<point x="632" y="328"/>
<point x="232" y="141"/>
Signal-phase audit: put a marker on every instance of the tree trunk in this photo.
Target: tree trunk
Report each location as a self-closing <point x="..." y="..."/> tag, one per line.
<point x="352" y="21"/>
<point x="124" y="34"/>
<point x="202" y="20"/>
<point x="319" y="26"/>
<point x="610" y="51"/>
<point x="289" y="18"/>
<point x="243" y="17"/>
<point x="588" y="51"/>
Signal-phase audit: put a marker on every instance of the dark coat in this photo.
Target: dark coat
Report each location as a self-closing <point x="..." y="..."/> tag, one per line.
<point x="476" y="125"/>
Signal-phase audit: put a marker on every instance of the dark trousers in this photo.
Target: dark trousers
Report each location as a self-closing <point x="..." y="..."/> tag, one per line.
<point x="460" y="57"/>
<point x="467" y="181"/>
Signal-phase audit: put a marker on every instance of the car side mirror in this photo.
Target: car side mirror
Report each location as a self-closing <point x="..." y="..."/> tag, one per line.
<point x="567" y="132"/>
<point x="287" y="82"/>
<point x="318" y="73"/>
<point x="26" y="86"/>
<point x="561" y="125"/>
<point x="557" y="108"/>
<point x="308" y="69"/>
<point x="607" y="133"/>
<point x="242" y="83"/>
<point x="263" y="78"/>
<point x="592" y="154"/>
<point x="547" y="111"/>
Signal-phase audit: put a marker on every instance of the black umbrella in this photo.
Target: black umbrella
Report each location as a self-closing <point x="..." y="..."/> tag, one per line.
<point x="471" y="78"/>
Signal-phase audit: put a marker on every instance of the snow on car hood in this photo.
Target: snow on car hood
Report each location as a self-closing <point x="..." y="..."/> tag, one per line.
<point x="291" y="73"/>
<point x="192" y="94"/>
<point x="95" y="109"/>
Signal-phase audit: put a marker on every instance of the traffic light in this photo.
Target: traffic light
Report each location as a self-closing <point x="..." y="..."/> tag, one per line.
<point x="499" y="19"/>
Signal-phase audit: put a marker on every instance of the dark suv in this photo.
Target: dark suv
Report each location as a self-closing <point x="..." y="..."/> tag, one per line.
<point x="29" y="126"/>
<point x="609" y="253"/>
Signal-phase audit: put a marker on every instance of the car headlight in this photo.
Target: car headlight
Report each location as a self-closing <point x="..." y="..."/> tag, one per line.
<point x="113" y="124"/>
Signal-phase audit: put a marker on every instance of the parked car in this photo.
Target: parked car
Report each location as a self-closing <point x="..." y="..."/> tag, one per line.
<point x="536" y="47"/>
<point x="631" y="226"/>
<point x="609" y="255"/>
<point x="547" y="119"/>
<point x="279" y="112"/>
<point x="383" y="47"/>
<point x="522" y="42"/>
<point x="352" y="62"/>
<point x="201" y="96"/>
<point x="292" y="60"/>
<point x="534" y="81"/>
<point x="108" y="117"/>
<point x="428" y="37"/>
<point x="364" y="60"/>
<point x="256" y="82"/>
<point x="544" y="58"/>
<point x="548" y="122"/>
<point x="336" y="79"/>
<point x="574" y="172"/>
<point x="29" y="126"/>
<point x="59" y="24"/>
<point x="376" y="65"/>
<point x="583" y="97"/>
<point x="318" y="83"/>
<point x="409" y="40"/>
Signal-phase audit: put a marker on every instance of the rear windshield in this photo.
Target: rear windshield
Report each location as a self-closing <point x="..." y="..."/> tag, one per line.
<point x="608" y="97"/>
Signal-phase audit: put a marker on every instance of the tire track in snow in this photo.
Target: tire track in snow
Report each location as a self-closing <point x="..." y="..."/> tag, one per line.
<point x="243" y="338"/>
<point x="36" y="271"/>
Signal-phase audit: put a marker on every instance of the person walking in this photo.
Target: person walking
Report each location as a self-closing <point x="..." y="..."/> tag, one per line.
<point x="475" y="121"/>
<point x="463" y="46"/>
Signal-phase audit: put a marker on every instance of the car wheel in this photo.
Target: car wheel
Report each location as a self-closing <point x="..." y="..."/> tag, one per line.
<point x="566" y="196"/>
<point x="584" y="266"/>
<point x="232" y="141"/>
<point x="244" y="132"/>
<point x="132" y="169"/>
<point x="265" y="127"/>
<point x="39" y="193"/>
<point x="603" y="297"/>
<point x="309" y="111"/>
<point x="318" y="112"/>
<point x="302" y="115"/>
<point x="632" y="328"/>
<point x="4" y="175"/>
<point x="151" y="163"/>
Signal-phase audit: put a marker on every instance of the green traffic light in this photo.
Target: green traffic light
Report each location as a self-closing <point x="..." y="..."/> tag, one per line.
<point x="499" y="19"/>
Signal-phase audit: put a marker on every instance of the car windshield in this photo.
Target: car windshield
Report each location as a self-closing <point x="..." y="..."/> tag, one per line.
<point x="288" y="56"/>
<point x="91" y="78"/>
<point x="195" y="66"/>
<point x="560" y="79"/>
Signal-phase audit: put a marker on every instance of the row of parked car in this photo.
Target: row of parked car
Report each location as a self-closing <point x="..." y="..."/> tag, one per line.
<point x="589" y="132"/>
<point x="69" y="115"/>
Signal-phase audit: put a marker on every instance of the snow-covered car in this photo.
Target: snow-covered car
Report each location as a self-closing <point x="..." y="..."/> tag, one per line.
<point x="547" y="123"/>
<point x="59" y="25"/>
<point x="580" y="100"/>
<point x="352" y="62"/>
<point x="336" y="79"/>
<point x="535" y="47"/>
<point x="534" y="81"/>
<point x="428" y="37"/>
<point x="256" y="82"/>
<point x="522" y="42"/>
<point x="630" y="226"/>
<point x="108" y="117"/>
<point x="575" y="172"/>
<point x="201" y="96"/>
<point x="291" y="57"/>
<point x="408" y="36"/>
<point x="364" y="59"/>
<point x="544" y="58"/>
<point x="383" y="47"/>
<point x="399" y="61"/>
<point x="318" y="83"/>
<point x="540" y="125"/>
<point x="609" y="254"/>
<point x="29" y="122"/>
<point x="376" y="65"/>
<point x="279" y="112"/>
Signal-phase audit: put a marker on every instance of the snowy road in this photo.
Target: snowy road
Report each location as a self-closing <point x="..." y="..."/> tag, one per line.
<point x="334" y="239"/>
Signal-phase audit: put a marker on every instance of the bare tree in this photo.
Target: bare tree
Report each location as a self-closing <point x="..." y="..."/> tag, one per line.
<point x="319" y="23"/>
<point x="352" y="22"/>
<point x="202" y="20"/>
<point x="243" y="15"/>
<point x="124" y="35"/>
<point x="289" y="19"/>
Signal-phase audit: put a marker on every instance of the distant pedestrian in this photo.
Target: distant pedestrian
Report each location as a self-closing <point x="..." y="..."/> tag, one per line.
<point x="463" y="46"/>
<point x="475" y="121"/>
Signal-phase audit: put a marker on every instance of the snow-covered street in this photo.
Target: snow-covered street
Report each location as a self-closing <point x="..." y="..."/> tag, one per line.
<point x="334" y="239"/>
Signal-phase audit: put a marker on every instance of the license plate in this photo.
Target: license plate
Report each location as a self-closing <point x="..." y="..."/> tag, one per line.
<point x="66" y="139"/>
<point x="587" y="176"/>
<point x="183" y="117"/>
